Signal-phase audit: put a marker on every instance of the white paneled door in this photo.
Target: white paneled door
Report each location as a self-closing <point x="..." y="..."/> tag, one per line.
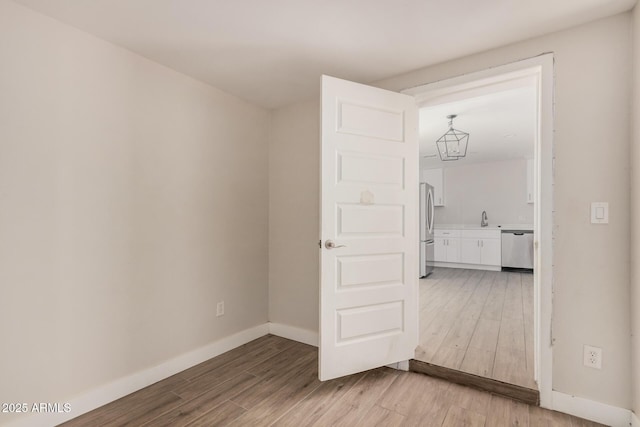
<point x="369" y="228"/>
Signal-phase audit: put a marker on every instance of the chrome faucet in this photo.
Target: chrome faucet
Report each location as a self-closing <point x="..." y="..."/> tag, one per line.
<point x="485" y="219"/>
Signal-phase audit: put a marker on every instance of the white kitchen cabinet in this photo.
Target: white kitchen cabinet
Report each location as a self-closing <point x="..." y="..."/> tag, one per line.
<point x="440" y="249"/>
<point x="469" y="248"/>
<point x="453" y="250"/>
<point x="470" y="251"/>
<point x="530" y="181"/>
<point x="480" y="247"/>
<point x="435" y="178"/>
<point x="491" y="252"/>
<point x="447" y="246"/>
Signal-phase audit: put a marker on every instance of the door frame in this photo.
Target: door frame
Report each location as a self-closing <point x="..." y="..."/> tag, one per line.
<point x="540" y="70"/>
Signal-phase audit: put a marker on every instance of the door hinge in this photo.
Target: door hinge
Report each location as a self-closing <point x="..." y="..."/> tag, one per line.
<point x="320" y="244"/>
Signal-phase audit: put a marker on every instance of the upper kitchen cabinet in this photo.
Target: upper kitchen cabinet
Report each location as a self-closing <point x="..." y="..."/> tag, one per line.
<point x="529" y="180"/>
<point x="435" y="178"/>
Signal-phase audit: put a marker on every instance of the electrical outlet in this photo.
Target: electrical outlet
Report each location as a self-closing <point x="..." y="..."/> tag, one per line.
<point x="592" y="357"/>
<point x="220" y="309"/>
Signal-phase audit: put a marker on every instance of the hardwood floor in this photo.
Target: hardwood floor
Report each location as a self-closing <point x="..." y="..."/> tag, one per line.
<point x="478" y="322"/>
<point x="274" y="382"/>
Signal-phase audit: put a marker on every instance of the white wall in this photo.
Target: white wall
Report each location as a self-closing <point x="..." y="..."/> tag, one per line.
<point x="635" y="214"/>
<point x="500" y="188"/>
<point x="294" y="185"/>
<point x="132" y="199"/>
<point x="591" y="263"/>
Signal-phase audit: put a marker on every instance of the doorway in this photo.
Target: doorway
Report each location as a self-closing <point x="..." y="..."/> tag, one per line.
<point x="454" y="297"/>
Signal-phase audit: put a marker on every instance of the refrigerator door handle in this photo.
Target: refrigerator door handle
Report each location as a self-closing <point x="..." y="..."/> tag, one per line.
<point x="430" y="210"/>
<point x="424" y="215"/>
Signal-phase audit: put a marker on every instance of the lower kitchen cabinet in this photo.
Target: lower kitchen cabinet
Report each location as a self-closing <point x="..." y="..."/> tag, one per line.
<point x="473" y="247"/>
<point x="446" y="249"/>
<point x="491" y="251"/>
<point x="470" y="251"/>
<point x="440" y="249"/>
<point x="481" y="247"/>
<point x="480" y="251"/>
<point x="446" y="246"/>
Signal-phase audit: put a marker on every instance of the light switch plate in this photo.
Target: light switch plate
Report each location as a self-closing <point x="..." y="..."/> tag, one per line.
<point x="599" y="213"/>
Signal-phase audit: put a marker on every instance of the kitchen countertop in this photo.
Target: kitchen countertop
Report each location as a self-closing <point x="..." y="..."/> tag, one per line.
<point x="525" y="227"/>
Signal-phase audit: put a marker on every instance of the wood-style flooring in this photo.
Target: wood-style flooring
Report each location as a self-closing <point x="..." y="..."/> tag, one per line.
<point x="478" y="322"/>
<point x="274" y="382"/>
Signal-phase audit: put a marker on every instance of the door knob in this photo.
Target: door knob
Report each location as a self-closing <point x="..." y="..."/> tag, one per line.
<point x="330" y="245"/>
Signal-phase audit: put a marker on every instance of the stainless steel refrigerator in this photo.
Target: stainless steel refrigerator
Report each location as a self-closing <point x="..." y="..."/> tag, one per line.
<point x="426" y="229"/>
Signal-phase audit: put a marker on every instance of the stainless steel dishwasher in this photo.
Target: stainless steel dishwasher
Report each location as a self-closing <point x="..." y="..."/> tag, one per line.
<point x="517" y="249"/>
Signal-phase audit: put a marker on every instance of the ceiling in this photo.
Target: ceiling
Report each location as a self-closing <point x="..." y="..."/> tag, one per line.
<point x="272" y="52"/>
<point x="501" y="125"/>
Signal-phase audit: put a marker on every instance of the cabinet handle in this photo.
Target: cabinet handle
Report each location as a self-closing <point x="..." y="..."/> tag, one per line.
<point x="482" y="243"/>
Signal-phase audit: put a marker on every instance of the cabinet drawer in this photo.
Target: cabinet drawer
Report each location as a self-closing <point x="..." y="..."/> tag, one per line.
<point x="446" y="233"/>
<point x="480" y="234"/>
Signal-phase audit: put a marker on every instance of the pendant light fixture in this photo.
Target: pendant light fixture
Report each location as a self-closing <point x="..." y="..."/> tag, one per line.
<point x="453" y="144"/>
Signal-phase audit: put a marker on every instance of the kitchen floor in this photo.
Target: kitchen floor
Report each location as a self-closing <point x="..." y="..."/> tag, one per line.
<point x="479" y="322"/>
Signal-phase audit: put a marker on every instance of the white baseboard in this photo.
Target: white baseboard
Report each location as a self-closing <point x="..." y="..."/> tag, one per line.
<point x="467" y="266"/>
<point x="126" y="385"/>
<point x="591" y="410"/>
<point x="297" y="334"/>
<point x="580" y="407"/>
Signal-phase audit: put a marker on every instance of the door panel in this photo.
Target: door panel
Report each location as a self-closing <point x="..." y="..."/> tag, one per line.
<point x="370" y="270"/>
<point x="370" y="121"/>
<point x="370" y="221"/>
<point x="370" y="321"/>
<point x="369" y="210"/>
<point x="359" y="168"/>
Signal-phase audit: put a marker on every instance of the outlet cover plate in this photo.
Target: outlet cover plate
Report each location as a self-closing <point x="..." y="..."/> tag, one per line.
<point x="592" y="357"/>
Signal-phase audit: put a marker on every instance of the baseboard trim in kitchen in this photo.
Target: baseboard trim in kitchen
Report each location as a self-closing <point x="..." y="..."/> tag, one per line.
<point x="516" y="392"/>
<point x="467" y="266"/>
<point x="121" y="387"/>
<point x="304" y="336"/>
<point x="591" y="410"/>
